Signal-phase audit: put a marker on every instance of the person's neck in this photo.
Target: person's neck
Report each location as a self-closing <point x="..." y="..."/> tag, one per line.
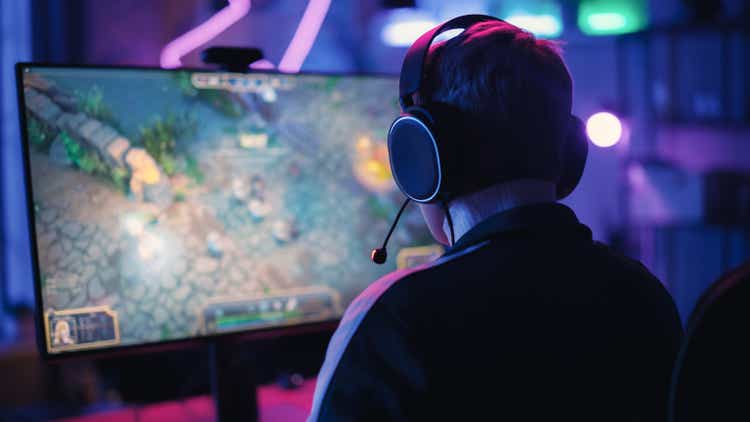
<point x="469" y="210"/>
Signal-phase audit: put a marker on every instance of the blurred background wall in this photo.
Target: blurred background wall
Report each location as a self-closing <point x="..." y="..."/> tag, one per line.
<point x="673" y="192"/>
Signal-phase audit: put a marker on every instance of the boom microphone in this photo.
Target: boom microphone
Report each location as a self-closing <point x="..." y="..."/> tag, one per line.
<point x="380" y="255"/>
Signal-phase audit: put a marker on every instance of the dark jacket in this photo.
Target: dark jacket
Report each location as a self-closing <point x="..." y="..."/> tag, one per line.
<point x="525" y="318"/>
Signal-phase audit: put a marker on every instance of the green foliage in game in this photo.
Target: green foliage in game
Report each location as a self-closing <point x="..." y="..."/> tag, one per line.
<point x="92" y="103"/>
<point x="160" y="139"/>
<point x="120" y="177"/>
<point x="89" y="162"/>
<point x="193" y="171"/>
<point x="40" y="134"/>
<point x="81" y="157"/>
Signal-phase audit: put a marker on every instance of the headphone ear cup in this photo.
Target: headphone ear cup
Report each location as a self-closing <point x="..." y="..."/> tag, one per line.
<point x="414" y="155"/>
<point x="574" y="154"/>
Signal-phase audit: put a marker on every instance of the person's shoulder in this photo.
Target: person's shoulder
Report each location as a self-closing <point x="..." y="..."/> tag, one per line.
<point x="376" y="291"/>
<point x="398" y="286"/>
<point x="623" y="264"/>
<point x="359" y="325"/>
<point x="635" y="278"/>
<point x="631" y="272"/>
<point x="402" y="294"/>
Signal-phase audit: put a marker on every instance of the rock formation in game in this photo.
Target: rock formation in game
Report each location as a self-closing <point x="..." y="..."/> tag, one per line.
<point x="59" y="111"/>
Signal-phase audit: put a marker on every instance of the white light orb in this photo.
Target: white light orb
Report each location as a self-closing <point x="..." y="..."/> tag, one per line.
<point x="604" y="129"/>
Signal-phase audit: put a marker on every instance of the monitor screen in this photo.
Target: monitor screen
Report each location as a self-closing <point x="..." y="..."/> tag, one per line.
<point x="170" y="205"/>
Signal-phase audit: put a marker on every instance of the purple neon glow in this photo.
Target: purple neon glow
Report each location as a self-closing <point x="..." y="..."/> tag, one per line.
<point x="173" y="52"/>
<point x="304" y="37"/>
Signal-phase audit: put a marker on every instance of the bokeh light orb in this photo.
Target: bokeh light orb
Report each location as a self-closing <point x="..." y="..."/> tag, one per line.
<point x="604" y="129"/>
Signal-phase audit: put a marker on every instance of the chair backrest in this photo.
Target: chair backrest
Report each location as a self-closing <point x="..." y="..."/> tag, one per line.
<point x="711" y="380"/>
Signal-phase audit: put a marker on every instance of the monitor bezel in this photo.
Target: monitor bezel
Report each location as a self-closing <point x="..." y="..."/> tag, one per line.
<point x="325" y="326"/>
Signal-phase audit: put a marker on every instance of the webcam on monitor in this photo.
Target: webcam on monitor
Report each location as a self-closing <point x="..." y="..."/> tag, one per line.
<point x="232" y="59"/>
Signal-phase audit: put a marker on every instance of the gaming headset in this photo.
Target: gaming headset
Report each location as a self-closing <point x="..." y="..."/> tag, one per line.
<point x="423" y="142"/>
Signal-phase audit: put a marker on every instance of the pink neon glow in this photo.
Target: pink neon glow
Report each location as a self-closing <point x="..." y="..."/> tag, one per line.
<point x="304" y="37"/>
<point x="262" y="64"/>
<point x="604" y="129"/>
<point x="173" y="52"/>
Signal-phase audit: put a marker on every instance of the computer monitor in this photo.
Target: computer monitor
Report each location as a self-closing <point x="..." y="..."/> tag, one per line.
<point x="174" y="205"/>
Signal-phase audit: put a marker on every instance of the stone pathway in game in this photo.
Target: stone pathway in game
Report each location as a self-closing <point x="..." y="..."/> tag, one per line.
<point x="155" y="277"/>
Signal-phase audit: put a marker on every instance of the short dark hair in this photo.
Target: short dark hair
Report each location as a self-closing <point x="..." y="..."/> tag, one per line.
<point x="514" y="85"/>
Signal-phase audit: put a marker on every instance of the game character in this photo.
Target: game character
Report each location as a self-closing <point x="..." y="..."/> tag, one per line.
<point x="61" y="335"/>
<point x="257" y="205"/>
<point x="283" y="231"/>
<point x="525" y="317"/>
<point x="214" y="243"/>
<point x="257" y="187"/>
<point x="258" y="208"/>
<point x="240" y="189"/>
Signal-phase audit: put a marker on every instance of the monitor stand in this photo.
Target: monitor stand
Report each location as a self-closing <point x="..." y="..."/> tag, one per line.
<point x="232" y="382"/>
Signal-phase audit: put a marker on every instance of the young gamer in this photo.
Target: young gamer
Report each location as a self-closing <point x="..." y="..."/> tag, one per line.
<point x="525" y="317"/>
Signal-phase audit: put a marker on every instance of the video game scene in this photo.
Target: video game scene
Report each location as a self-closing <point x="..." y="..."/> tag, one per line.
<point x="176" y="204"/>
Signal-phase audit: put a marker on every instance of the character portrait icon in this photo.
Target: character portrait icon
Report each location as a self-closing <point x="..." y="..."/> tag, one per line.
<point x="61" y="335"/>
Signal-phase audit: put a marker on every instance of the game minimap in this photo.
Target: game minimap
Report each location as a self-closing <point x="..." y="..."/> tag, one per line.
<point x="178" y="204"/>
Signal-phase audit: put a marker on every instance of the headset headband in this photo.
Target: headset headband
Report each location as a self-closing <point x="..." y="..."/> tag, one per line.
<point x="411" y="70"/>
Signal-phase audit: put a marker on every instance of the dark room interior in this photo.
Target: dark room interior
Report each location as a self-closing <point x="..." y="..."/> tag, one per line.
<point x="191" y="190"/>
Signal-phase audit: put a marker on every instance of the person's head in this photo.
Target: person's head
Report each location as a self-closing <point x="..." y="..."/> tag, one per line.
<point x="517" y="91"/>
